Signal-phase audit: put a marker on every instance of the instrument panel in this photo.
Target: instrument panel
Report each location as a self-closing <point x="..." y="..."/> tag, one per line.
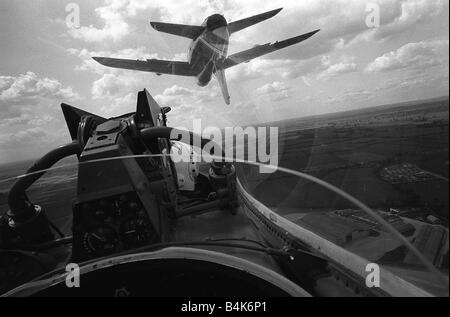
<point x="110" y="225"/>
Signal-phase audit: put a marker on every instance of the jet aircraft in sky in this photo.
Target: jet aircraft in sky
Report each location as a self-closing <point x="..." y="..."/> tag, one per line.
<point x="207" y="54"/>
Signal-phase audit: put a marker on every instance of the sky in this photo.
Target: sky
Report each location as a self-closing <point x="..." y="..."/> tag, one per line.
<point x="352" y="63"/>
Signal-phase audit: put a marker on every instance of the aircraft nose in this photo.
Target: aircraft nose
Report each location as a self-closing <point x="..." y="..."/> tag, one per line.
<point x="216" y="21"/>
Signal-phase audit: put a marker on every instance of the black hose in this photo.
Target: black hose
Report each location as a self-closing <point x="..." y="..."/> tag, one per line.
<point x="20" y="207"/>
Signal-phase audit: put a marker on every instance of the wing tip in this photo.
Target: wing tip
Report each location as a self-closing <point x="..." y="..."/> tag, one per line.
<point x="98" y="59"/>
<point x="310" y="34"/>
<point x="314" y="32"/>
<point x="274" y="12"/>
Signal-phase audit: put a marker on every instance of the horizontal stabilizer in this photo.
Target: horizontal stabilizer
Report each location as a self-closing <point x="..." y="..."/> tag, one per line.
<point x="236" y="26"/>
<point x="260" y="50"/>
<point x="151" y="65"/>
<point x="189" y="31"/>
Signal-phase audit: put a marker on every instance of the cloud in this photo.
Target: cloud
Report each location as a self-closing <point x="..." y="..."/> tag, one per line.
<point x="116" y="16"/>
<point x="28" y="101"/>
<point x="13" y="89"/>
<point x="258" y="68"/>
<point x="277" y="90"/>
<point x="274" y="87"/>
<point x="285" y="68"/>
<point x="31" y="141"/>
<point x="120" y="105"/>
<point x="116" y="85"/>
<point x="341" y="22"/>
<point x="421" y="55"/>
<point x="350" y="97"/>
<point x="347" y="65"/>
<point x="114" y="25"/>
<point x="176" y="90"/>
<point x="24" y="95"/>
<point x="23" y="137"/>
<point x="30" y="117"/>
<point x="435" y="81"/>
<point x="412" y="14"/>
<point x="291" y="69"/>
<point x="181" y="96"/>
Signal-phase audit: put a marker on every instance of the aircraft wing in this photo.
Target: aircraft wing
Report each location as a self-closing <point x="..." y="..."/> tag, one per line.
<point x="260" y="50"/>
<point x="245" y="23"/>
<point x="189" y="31"/>
<point x="150" y="65"/>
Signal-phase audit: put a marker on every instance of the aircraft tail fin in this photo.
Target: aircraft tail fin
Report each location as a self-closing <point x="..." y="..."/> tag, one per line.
<point x="245" y="23"/>
<point x="219" y="73"/>
<point x="189" y="31"/>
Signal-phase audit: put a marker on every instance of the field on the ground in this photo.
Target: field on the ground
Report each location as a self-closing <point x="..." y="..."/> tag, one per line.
<point x="348" y="149"/>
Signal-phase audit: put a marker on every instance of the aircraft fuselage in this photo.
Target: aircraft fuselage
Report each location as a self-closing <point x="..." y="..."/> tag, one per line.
<point x="209" y="49"/>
